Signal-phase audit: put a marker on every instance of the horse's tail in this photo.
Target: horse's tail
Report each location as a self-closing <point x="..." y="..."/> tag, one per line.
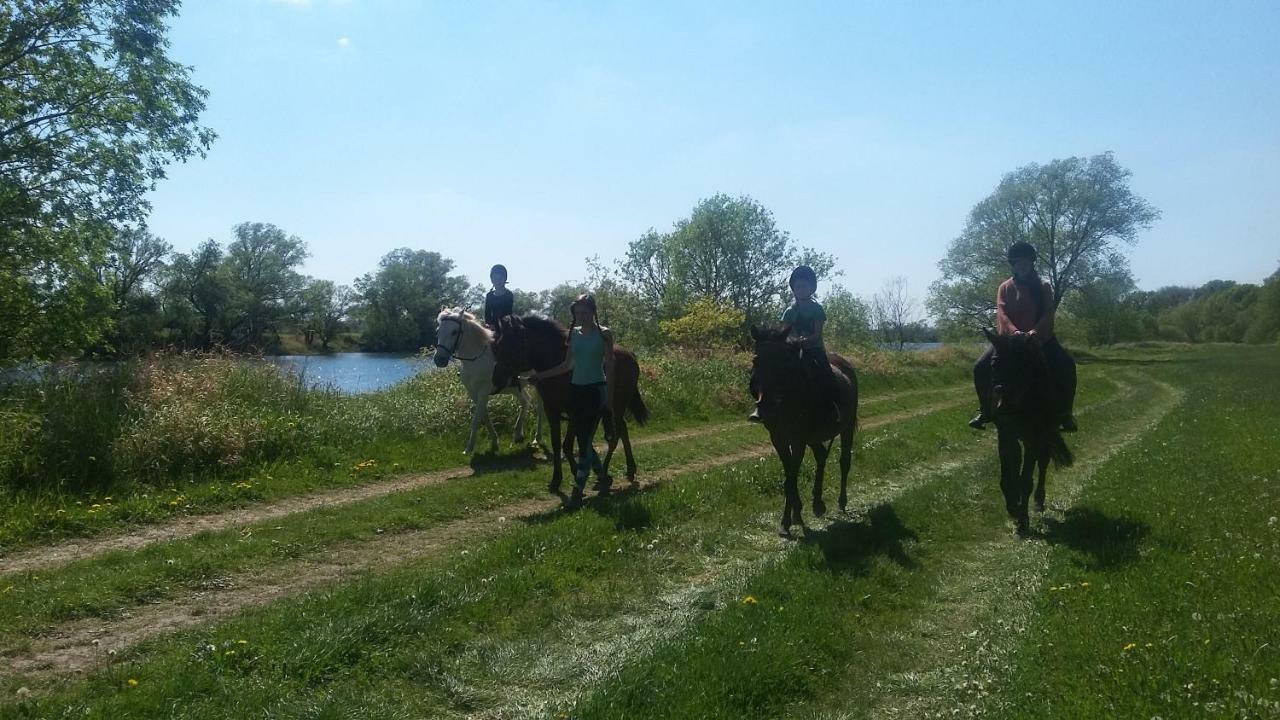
<point x="1062" y="456"/>
<point x="638" y="409"/>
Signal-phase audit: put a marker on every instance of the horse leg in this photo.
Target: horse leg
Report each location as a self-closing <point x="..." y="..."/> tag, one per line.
<point x="784" y="454"/>
<point x="1030" y="455"/>
<point x="488" y="421"/>
<point x="625" y="434"/>
<point x="606" y="479"/>
<point x="475" y="426"/>
<point x="846" y="461"/>
<point x="522" y="397"/>
<point x="820" y="452"/>
<point x="1044" y="471"/>
<point x="1010" y="459"/>
<point x="793" y="484"/>
<point x="540" y="412"/>
<point x="568" y="444"/>
<point x="556" y="474"/>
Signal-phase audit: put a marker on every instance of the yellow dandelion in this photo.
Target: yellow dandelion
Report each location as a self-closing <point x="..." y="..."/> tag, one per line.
<point x="242" y="642"/>
<point x="1130" y="646"/>
<point x="132" y="682"/>
<point x="749" y="600"/>
<point x="1084" y="584"/>
<point x="229" y="653"/>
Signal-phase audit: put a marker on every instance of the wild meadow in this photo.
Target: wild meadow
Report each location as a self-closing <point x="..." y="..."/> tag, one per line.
<point x="134" y="441"/>
<point x="1146" y="589"/>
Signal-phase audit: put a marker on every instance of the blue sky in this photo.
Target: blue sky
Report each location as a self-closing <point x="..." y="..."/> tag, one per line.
<point x="536" y="134"/>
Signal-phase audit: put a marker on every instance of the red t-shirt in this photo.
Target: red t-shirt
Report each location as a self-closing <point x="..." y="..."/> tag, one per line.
<point x="1016" y="310"/>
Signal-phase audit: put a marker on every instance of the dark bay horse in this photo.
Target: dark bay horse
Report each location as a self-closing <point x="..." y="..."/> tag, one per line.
<point x="790" y="406"/>
<point x="1024" y="400"/>
<point x="533" y="342"/>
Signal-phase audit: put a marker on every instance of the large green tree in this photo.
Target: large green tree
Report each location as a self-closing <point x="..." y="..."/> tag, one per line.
<point x="262" y="271"/>
<point x="195" y="295"/>
<point x="729" y="251"/>
<point x="1079" y="213"/>
<point x="324" y="309"/>
<point x="134" y="263"/>
<point x="402" y="299"/>
<point x="91" y="111"/>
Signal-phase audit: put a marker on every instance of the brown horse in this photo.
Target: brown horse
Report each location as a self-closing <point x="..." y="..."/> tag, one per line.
<point x="533" y="342"/>
<point x="790" y="406"/>
<point x="1024" y="400"/>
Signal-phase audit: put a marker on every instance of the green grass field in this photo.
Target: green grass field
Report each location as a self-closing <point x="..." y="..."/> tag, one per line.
<point x="1148" y="589"/>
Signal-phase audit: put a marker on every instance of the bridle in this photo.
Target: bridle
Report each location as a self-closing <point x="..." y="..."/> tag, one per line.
<point x="462" y="328"/>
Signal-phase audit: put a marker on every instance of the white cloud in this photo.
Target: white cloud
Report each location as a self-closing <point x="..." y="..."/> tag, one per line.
<point x="344" y="42"/>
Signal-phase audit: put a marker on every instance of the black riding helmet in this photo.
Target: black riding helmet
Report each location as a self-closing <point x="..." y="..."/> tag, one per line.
<point x="804" y="272"/>
<point x="1021" y="249"/>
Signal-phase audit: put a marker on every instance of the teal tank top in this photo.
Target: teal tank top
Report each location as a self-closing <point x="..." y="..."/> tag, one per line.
<point x="588" y="357"/>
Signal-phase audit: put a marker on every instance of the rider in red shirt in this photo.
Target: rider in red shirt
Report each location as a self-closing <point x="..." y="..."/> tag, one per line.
<point x="1025" y="306"/>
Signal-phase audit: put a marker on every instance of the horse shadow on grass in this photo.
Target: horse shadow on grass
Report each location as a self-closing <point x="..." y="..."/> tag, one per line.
<point x="609" y="499"/>
<point x="849" y="546"/>
<point x="1108" y="543"/>
<point x="523" y="458"/>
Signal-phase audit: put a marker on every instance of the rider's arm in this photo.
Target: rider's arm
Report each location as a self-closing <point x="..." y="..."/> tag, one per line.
<point x="1044" y="328"/>
<point x="814" y="338"/>
<point x="1004" y="326"/>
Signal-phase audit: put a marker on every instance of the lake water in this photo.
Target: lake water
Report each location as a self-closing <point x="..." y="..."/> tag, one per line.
<point x="354" y="373"/>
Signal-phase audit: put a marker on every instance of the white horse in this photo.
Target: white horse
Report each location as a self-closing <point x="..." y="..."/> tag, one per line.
<point x="460" y="335"/>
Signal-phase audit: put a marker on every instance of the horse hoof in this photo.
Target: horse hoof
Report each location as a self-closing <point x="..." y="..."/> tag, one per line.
<point x="819" y="507"/>
<point x="844" y="505"/>
<point x="553" y="487"/>
<point x="785" y="533"/>
<point x="1039" y="506"/>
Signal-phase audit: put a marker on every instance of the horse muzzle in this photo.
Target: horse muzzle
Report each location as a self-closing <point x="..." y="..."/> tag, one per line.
<point x="442" y="357"/>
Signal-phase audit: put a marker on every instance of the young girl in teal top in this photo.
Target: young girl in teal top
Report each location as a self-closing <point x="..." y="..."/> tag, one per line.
<point x="590" y="359"/>
<point x="803" y="321"/>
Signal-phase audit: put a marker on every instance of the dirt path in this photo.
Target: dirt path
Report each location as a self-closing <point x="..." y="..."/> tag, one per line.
<point x="51" y="556"/>
<point x="82" y="645"/>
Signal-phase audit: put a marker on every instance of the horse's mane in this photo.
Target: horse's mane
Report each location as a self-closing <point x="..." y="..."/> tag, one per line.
<point x="544" y="328"/>
<point x="466" y="318"/>
<point x="771" y="334"/>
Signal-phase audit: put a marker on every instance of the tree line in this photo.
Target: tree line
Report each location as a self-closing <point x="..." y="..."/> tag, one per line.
<point x="92" y="110"/>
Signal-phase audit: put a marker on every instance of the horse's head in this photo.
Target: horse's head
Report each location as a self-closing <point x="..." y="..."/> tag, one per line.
<point x="449" y="332"/>
<point x="1016" y="367"/>
<point x="509" y="350"/>
<point x="775" y="368"/>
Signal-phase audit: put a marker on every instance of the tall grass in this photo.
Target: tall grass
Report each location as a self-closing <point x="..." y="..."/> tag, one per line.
<point x="81" y="430"/>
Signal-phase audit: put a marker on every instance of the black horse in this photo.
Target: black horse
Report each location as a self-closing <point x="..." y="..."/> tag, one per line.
<point x="1024" y="400"/>
<point x="790" y="405"/>
<point x="533" y="342"/>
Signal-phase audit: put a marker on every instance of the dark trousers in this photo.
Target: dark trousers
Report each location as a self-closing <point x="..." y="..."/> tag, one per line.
<point x="1061" y="365"/>
<point x="586" y="407"/>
